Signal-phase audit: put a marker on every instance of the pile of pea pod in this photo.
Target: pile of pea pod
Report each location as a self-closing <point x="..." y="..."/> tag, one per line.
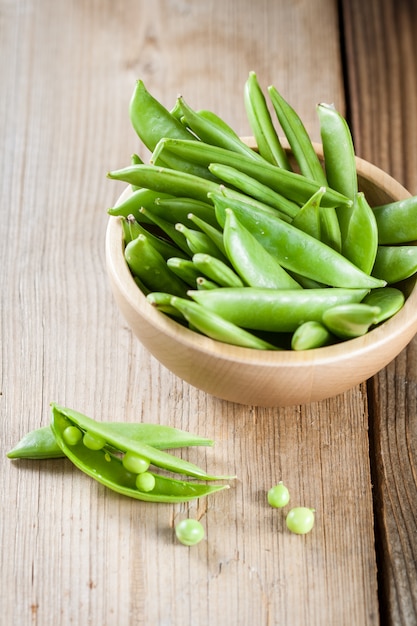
<point x="258" y="248"/>
<point x="119" y="455"/>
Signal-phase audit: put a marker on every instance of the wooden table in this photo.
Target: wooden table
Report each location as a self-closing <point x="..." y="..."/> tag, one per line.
<point x="73" y="552"/>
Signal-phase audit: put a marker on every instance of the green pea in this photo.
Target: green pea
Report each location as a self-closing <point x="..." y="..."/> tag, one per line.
<point x="72" y="435"/>
<point x="300" y="520"/>
<point x="134" y="463"/>
<point x="93" y="441"/>
<point x="278" y="496"/>
<point x="189" y="532"/>
<point x="145" y="481"/>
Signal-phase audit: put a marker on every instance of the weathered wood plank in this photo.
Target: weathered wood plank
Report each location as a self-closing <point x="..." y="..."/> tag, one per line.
<point x="71" y="551"/>
<point x="382" y="69"/>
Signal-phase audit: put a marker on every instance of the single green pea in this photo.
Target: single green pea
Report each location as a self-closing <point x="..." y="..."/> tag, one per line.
<point x="145" y="481"/>
<point x="278" y="496"/>
<point x="93" y="442"/>
<point x="134" y="463"/>
<point x="72" y="435"/>
<point x="189" y="532"/>
<point x="300" y="520"/>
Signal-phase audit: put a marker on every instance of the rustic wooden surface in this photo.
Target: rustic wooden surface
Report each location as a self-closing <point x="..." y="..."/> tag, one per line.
<point x="74" y="553"/>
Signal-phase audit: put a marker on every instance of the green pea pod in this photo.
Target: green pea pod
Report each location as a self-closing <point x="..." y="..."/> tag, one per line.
<point x="348" y="321"/>
<point x="254" y="264"/>
<point x="252" y="187"/>
<point x="212" y="232"/>
<point x="260" y="121"/>
<point x="177" y="210"/>
<point x="297" y="251"/>
<point x="149" y="265"/>
<point x="165" y="180"/>
<point x="206" y="283"/>
<point x="169" y="229"/>
<point x="41" y="443"/>
<point x="215" y="132"/>
<point x="298" y="138"/>
<point x="311" y="335"/>
<point x="133" y="203"/>
<point x="395" y="263"/>
<point x="37" y="444"/>
<point x="275" y="310"/>
<point x="184" y="269"/>
<point x="308" y="217"/>
<point x="360" y="243"/>
<point x="397" y="221"/>
<point x="164" y="247"/>
<point x="135" y="160"/>
<point x="63" y="417"/>
<point x="339" y="153"/>
<point x="216" y="327"/>
<point x="388" y="299"/>
<point x="162" y="302"/>
<point x="216" y="270"/>
<point x="292" y="185"/>
<point x="200" y="242"/>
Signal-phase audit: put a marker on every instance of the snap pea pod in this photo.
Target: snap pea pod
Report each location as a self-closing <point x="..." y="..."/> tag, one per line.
<point x="138" y="199"/>
<point x="297" y="251"/>
<point x="252" y="187"/>
<point x="397" y="221"/>
<point x="360" y="243"/>
<point x="267" y="140"/>
<point x="177" y="209"/>
<point x="212" y="232"/>
<point x="395" y="263"/>
<point x="276" y="310"/>
<point x="164" y="247"/>
<point x="41" y="443"/>
<point x="215" y="131"/>
<point x="161" y="301"/>
<point x="135" y="160"/>
<point x="63" y="417"/>
<point x="216" y="327"/>
<point x="389" y="300"/>
<point x="216" y="270"/>
<point x="311" y="335"/>
<point x="169" y="229"/>
<point x="184" y="269"/>
<point x="308" y="217"/>
<point x="292" y="185"/>
<point x="200" y="242"/>
<point x="206" y="283"/>
<point x="149" y="265"/>
<point x="298" y="138"/>
<point x="348" y="321"/>
<point x="254" y="264"/>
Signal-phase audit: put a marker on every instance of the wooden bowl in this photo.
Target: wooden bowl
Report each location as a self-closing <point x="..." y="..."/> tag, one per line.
<point x="256" y="377"/>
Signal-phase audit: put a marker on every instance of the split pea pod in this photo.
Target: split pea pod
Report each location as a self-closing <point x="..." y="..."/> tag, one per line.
<point x="275" y="310"/>
<point x="150" y="266"/>
<point x="41" y="443"/>
<point x="115" y="440"/>
<point x="297" y="251"/>
<point x="254" y="264"/>
<point x="267" y="140"/>
<point x="292" y="185"/>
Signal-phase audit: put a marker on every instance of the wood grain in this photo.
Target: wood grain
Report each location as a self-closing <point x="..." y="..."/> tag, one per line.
<point x="381" y="60"/>
<point x="73" y="552"/>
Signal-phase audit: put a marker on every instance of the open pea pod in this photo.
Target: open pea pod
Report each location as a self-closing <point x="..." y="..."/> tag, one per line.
<point x="42" y="444"/>
<point x="63" y="417"/>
